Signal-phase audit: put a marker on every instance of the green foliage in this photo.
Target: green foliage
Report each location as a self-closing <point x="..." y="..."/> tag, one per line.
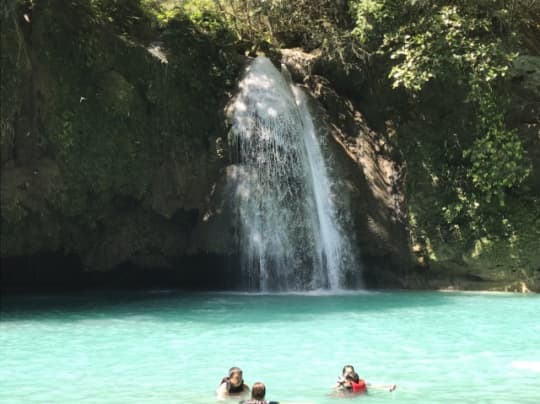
<point x="111" y="110"/>
<point x="430" y="39"/>
<point x="465" y="166"/>
<point x="465" y="45"/>
<point x="449" y="40"/>
<point x="497" y="163"/>
<point x="367" y="13"/>
<point x="259" y="24"/>
<point x="497" y="156"/>
<point x="205" y="15"/>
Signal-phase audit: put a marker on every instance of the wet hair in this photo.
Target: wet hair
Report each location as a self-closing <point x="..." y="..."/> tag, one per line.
<point x="227" y="380"/>
<point x="258" y="391"/>
<point x="353" y="377"/>
<point x="345" y="368"/>
<point x="234" y="370"/>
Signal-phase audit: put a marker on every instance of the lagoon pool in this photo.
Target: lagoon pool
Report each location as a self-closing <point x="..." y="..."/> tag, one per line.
<point x="174" y="347"/>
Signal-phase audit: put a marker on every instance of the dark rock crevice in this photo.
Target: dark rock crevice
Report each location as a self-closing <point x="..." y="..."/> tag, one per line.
<point x="54" y="272"/>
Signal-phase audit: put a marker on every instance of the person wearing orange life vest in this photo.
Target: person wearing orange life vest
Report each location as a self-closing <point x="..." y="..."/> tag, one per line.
<point x="357" y="385"/>
<point x="351" y="384"/>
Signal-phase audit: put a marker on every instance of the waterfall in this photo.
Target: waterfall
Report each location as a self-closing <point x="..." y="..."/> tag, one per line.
<point x="291" y="237"/>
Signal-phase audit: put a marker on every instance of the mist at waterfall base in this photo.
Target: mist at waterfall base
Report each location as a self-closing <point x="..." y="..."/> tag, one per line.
<point x="174" y="347"/>
<point x="291" y="237"/>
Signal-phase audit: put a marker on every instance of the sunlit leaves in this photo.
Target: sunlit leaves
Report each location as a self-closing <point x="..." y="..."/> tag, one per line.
<point x="367" y="13"/>
<point x="448" y="40"/>
<point x="459" y="43"/>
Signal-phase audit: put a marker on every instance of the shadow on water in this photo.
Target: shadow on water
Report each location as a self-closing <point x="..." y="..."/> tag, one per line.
<point x="181" y="306"/>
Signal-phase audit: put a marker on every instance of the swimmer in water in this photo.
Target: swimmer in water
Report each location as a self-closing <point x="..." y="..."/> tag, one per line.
<point x="349" y="381"/>
<point x="258" y="392"/>
<point x="233" y="385"/>
<point x="351" y="384"/>
<point x="348" y="370"/>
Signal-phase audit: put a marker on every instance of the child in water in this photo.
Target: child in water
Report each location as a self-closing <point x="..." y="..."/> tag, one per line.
<point x="257" y="395"/>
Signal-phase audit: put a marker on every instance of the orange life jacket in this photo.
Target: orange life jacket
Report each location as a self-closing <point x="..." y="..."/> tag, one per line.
<point x="359" y="387"/>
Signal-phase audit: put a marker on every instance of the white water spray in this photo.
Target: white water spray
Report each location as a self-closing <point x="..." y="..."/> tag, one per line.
<point x="290" y="238"/>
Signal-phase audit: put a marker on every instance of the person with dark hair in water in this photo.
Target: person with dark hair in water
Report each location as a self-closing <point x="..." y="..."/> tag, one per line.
<point x="258" y="392"/>
<point x="353" y="384"/>
<point x="233" y="384"/>
<point x="350" y="382"/>
<point x="348" y="370"/>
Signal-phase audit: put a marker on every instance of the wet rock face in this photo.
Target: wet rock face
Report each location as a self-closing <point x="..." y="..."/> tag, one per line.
<point x="368" y="167"/>
<point x="345" y="81"/>
<point x="366" y="163"/>
<point x="524" y="113"/>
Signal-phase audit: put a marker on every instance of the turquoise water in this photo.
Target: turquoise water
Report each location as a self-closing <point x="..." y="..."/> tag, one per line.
<point x="173" y="347"/>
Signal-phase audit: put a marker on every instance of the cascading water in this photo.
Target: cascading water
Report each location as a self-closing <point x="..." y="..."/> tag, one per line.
<point x="290" y="236"/>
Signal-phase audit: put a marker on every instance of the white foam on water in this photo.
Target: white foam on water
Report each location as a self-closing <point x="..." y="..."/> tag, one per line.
<point x="526" y="365"/>
<point x="314" y="293"/>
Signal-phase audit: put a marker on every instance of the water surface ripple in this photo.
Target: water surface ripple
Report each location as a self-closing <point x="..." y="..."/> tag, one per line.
<point x="173" y="347"/>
